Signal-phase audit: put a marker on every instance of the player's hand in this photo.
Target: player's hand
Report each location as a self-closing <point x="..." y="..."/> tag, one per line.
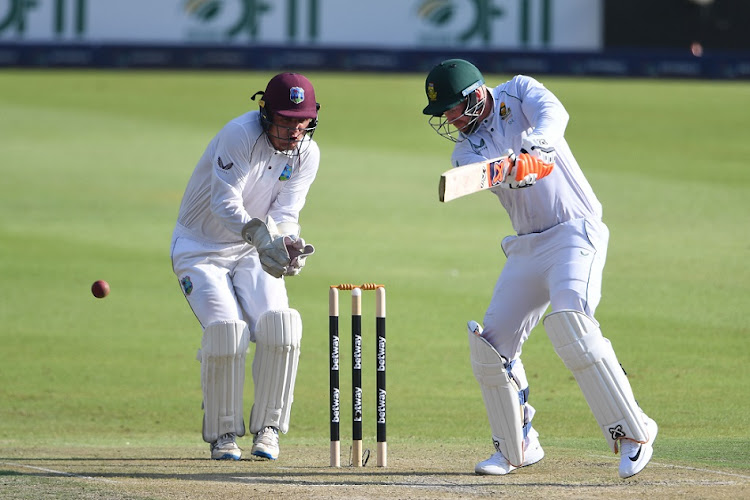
<point x="538" y="147"/>
<point x="265" y="237"/>
<point x="298" y="252"/>
<point x="526" y="171"/>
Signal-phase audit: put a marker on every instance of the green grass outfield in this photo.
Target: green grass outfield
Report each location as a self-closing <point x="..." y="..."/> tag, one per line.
<point x="92" y="171"/>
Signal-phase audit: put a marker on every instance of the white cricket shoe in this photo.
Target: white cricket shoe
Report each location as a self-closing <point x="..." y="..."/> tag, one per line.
<point x="498" y="465"/>
<point x="634" y="456"/>
<point x="266" y="443"/>
<point x="225" y="448"/>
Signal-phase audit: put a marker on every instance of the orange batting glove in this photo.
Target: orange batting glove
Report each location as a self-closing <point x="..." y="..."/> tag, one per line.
<point x="528" y="170"/>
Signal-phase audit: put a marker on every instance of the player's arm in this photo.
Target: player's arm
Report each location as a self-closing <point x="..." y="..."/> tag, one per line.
<point x="287" y="206"/>
<point x="290" y="200"/>
<point x="230" y="167"/>
<point x="547" y="116"/>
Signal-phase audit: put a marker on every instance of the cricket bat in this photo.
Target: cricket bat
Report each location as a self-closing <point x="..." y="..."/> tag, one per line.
<point x="472" y="178"/>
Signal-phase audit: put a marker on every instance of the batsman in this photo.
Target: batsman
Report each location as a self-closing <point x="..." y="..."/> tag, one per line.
<point x="237" y="237"/>
<point x="555" y="260"/>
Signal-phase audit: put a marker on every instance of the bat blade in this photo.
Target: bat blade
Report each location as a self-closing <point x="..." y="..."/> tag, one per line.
<point x="472" y="178"/>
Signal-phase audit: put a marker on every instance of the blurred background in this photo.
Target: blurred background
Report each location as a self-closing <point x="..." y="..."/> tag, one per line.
<point x="652" y="38"/>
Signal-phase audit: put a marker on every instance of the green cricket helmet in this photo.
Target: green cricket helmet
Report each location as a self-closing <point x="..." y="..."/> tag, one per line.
<point x="449" y="83"/>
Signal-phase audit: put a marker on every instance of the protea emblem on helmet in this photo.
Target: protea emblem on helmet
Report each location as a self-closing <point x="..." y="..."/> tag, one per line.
<point x="296" y="94"/>
<point x="431" y="93"/>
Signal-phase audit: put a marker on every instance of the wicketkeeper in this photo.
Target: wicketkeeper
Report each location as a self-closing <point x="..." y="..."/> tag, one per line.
<point x="237" y="237"/>
<point x="556" y="259"/>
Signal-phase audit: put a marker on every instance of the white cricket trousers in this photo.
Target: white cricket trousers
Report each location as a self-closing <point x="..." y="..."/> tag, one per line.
<point x="223" y="282"/>
<point x="561" y="267"/>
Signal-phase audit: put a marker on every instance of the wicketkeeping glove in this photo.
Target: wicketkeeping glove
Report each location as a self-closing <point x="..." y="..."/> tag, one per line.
<point x="272" y="250"/>
<point x="538" y="147"/>
<point x="298" y="252"/>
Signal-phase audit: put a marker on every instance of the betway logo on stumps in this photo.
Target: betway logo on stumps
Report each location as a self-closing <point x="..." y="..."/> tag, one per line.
<point x="335" y="406"/>
<point x="357" y="405"/>
<point x="335" y="354"/>
<point x="357" y="352"/>
<point x="381" y="406"/>
<point x="381" y="354"/>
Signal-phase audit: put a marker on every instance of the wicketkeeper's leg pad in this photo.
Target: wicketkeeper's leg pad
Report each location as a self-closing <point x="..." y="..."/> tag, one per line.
<point x="277" y="338"/>
<point x="578" y="341"/>
<point x="501" y="396"/>
<point x="222" y="356"/>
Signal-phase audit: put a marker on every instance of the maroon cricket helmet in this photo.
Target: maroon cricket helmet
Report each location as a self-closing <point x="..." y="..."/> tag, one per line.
<point x="291" y="95"/>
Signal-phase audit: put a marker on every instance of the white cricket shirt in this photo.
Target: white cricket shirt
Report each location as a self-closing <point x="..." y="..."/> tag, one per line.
<point x="524" y="107"/>
<point x="241" y="176"/>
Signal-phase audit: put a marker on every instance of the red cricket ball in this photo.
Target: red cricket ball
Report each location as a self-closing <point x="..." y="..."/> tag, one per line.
<point x="100" y="289"/>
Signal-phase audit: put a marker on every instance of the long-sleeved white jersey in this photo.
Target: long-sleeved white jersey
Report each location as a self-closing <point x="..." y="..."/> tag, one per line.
<point x="524" y="107"/>
<point x="241" y="176"/>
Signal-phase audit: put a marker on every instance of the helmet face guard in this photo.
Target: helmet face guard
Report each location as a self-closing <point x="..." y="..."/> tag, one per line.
<point x="284" y="135"/>
<point x="449" y="84"/>
<point x="446" y="128"/>
<point x="281" y="134"/>
<point x="289" y="97"/>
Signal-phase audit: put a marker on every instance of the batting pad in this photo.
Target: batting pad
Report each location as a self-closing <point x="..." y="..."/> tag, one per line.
<point x="579" y="343"/>
<point x="500" y="393"/>
<point x="277" y="345"/>
<point x="222" y="358"/>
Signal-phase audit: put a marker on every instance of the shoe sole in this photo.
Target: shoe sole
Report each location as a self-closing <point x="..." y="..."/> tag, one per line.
<point x="226" y="456"/>
<point x="263" y="454"/>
